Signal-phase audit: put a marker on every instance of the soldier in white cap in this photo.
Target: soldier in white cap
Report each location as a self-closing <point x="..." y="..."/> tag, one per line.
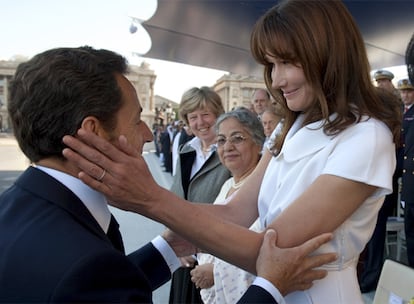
<point x="407" y="93"/>
<point x="407" y="194"/>
<point x="372" y="258"/>
<point x="384" y="80"/>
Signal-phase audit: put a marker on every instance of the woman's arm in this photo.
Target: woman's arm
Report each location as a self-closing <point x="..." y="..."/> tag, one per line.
<point x="360" y="164"/>
<point x="242" y="209"/>
<point x="129" y="185"/>
<point x="323" y="207"/>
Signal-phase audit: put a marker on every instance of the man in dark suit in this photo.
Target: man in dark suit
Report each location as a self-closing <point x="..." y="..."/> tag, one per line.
<point x="372" y="258"/>
<point x="59" y="241"/>
<point x="166" y="143"/>
<point x="407" y="194"/>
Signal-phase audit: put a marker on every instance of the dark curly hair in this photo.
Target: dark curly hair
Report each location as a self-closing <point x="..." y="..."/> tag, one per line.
<point x="53" y="92"/>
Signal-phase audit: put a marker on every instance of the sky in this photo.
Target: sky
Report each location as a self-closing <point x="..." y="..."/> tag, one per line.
<point x="28" y="27"/>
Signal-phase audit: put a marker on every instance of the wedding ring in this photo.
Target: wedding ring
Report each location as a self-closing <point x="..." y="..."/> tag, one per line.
<point x="102" y="176"/>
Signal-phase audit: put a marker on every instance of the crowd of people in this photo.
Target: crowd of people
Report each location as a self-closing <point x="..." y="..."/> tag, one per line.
<point x="272" y="204"/>
<point x="373" y="256"/>
<point x="200" y="167"/>
<point x="197" y="164"/>
<point x="170" y="137"/>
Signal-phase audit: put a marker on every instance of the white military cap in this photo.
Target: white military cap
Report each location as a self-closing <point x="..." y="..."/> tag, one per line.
<point x="383" y="74"/>
<point x="405" y="84"/>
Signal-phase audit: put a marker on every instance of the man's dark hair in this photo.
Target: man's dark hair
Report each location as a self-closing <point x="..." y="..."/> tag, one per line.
<point x="54" y="91"/>
<point x="409" y="59"/>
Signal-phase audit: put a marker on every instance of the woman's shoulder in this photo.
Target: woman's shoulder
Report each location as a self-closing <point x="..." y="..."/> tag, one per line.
<point x="369" y="125"/>
<point x="367" y="132"/>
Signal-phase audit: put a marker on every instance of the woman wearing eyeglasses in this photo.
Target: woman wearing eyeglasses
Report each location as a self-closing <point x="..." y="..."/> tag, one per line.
<point x="198" y="169"/>
<point x="239" y="142"/>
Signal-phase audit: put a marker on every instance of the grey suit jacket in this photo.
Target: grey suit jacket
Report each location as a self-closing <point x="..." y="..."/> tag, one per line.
<point x="205" y="184"/>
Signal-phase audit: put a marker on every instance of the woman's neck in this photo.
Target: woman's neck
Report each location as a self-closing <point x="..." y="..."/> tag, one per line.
<point x="206" y="145"/>
<point x="241" y="177"/>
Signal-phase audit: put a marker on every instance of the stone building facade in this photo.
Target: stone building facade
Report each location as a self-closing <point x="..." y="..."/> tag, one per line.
<point x="166" y="111"/>
<point x="7" y="69"/>
<point x="142" y="77"/>
<point x="237" y="90"/>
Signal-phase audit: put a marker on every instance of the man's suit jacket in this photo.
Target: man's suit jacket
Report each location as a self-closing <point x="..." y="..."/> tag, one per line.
<point x="407" y="193"/>
<point x="53" y="250"/>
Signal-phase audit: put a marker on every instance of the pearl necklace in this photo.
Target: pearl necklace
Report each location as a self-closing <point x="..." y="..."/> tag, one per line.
<point x="239" y="184"/>
<point x="241" y="181"/>
<point x="207" y="149"/>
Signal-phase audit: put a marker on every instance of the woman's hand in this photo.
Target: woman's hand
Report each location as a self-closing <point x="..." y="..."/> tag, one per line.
<point x="202" y="275"/>
<point x="120" y="173"/>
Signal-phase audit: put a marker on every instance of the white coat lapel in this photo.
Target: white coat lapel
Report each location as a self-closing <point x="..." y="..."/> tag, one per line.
<point x="301" y="142"/>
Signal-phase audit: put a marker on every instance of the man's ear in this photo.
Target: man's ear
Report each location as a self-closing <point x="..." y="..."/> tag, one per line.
<point x="92" y="124"/>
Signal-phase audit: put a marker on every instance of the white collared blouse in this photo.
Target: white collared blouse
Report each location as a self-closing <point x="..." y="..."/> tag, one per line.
<point x="364" y="152"/>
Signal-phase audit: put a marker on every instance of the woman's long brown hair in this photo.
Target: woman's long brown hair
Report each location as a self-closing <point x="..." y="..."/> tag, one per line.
<point x="323" y="38"/>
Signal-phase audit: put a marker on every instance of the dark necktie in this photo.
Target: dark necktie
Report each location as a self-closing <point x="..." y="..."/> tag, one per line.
<point x="114" y="235"/>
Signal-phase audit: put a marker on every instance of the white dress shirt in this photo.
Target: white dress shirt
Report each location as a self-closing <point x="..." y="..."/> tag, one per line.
<point x="201" y="158"/>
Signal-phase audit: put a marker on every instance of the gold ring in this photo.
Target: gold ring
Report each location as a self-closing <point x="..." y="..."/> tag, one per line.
<point x="102" y="176"/>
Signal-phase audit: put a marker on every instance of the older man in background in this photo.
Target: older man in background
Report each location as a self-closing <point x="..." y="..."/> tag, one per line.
<point x="261" y="101"/>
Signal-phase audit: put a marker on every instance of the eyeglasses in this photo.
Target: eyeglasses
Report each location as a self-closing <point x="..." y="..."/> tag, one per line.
<point x="236" y="139"/>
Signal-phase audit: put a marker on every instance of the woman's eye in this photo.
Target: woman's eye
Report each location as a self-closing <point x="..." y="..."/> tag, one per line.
<point x="221" y="141"/>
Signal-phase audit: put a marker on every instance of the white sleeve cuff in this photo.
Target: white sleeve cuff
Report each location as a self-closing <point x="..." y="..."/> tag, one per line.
<point x="167" y="252"/>
<point x="270" y="288"/>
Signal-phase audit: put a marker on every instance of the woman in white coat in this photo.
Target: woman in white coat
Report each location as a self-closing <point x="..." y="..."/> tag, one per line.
<point x="328" y="171"/>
